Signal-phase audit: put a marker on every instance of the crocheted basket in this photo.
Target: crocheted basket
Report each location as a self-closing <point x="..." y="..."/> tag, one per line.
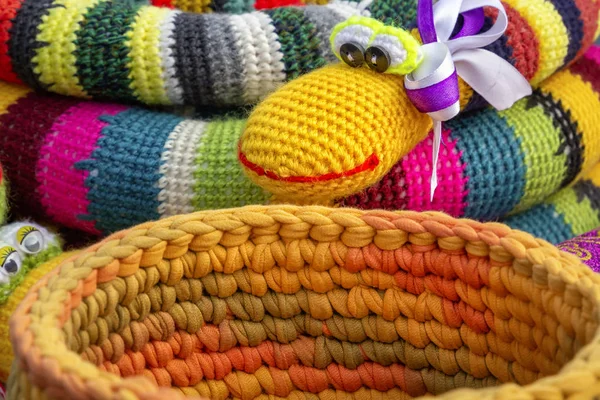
<point x="301" y="302"/>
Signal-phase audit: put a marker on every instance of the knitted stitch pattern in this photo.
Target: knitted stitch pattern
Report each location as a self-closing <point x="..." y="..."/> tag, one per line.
<point x="310" y="302"/>
<point x="3" y="197"/>
<point x="566" y="214"/>
<point x="231" y="6"/>
<point x="101" y="168"/>
<point x="154" y="55"/>
<point x="339" y="130"/>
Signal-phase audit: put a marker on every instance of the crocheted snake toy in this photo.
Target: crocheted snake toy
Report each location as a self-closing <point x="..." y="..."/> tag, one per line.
<point x="153" y="55"/>
<point x="320" y="137"/>
<point x="103" y="167"/>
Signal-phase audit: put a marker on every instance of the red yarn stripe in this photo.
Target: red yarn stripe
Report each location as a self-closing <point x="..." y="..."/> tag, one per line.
<point x="370" y="164"/>
<point x="8" y="10"/>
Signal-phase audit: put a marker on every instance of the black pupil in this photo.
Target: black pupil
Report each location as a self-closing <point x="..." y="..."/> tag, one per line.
<point x="377" y="59"/>
<point x="352" y="54"/>
<point x="11" y="266"/>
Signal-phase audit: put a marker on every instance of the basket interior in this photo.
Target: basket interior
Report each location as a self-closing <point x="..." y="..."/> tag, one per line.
<point x="272" y="316"/>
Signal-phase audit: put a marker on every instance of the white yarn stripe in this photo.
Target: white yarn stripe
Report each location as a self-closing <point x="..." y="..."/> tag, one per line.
<point x="270" y="68"/>
<point x="169" y="72"/>
<point x="347" y="9"/>
<point x="177" y="168"/>
<point x="244" y="44"/>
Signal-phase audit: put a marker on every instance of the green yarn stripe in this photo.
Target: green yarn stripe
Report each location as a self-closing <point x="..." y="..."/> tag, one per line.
<point x="402" y="14"/>
<point x="577" y="211"/>
<point x="101" y="52"/>
<point x="299" y="41"/>
<point x="542" y="176"/>
<point x="220" y="181"/>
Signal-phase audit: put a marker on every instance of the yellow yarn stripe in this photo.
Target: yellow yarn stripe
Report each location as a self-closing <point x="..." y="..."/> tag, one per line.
<point x="9" y="94"/>
<point x="146" y="64"/>
<point x="582" y="101"/>
<point x="194" y="5"/>
<point x="551" y="32"/>
<point x="6" y="311"/>
<point x="55" y="62"/>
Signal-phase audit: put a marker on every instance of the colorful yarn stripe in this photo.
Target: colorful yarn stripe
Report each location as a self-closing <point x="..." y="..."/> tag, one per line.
<point x="102" y="168"/>
<point x="61" y="186"/>
<point x="126" y="52"/>
<point x="570" y="212"/>
<point x="300" y="302"/>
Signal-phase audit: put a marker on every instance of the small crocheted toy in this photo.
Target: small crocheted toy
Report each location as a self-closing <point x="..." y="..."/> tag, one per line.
<point x="114" y="50"/>
<point x="102" y="167"/>
<point x="24" y="246"/>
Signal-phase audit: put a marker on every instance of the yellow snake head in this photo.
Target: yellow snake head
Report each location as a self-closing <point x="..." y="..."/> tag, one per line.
<point x="339" y="129"/>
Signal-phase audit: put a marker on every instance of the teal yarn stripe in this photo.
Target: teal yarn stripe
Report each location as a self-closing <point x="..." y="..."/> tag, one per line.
<point x="124" y="169"/>
<point x="542" y="221"/>
<point x="102" y="57"/>
<point x="220" y="180"/>
<point x="299" y="41"/>
<point x="490" y="152"/>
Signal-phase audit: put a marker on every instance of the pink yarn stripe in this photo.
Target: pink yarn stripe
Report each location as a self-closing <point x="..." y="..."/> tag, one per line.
<point x="72" y="138"/>
<point x="451" y="192"/>
<point x="593" y="54"/>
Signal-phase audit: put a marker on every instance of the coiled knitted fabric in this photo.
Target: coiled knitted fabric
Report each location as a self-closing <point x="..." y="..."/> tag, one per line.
<point x="231" y="6"/>
<point x="154" y="55"/>
<point x="102" y="167"/>
<point x="566" y="214"/>
<point x="295" y="302"/>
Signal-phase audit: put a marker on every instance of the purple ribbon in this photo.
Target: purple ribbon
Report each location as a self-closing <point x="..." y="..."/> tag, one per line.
<point x="436" y="97"/>
<point x="473" y="21"/>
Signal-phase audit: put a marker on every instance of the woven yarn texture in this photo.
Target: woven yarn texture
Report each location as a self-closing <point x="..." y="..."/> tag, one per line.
<point x="310" y="302"/>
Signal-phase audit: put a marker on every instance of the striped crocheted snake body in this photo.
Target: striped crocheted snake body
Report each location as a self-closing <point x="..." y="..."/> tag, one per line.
<point x="103" y="167"/>
<point x="154" y="55"/>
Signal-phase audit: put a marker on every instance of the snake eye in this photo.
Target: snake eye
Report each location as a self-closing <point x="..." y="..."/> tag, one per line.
<point x="10" y="261"/>
<point x="350" y="38"/>
<point x="394" y="51"/>
<point x="352" y="54"/>
<point x="30" y="240"/>
<point x="377" y="59"/>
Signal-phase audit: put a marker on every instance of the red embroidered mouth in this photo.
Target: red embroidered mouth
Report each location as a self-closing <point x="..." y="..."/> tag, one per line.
<point x="368" y="165"/>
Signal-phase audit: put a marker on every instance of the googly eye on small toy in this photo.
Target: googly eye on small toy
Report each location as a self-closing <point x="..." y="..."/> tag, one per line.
<point x="30" y="239"/>
<point x="350" y="39"/>
<point x="10" y="262"/>
<point x="384" y="49"/>
<point x="393" y="51"/>
<point x="27" y="237"/>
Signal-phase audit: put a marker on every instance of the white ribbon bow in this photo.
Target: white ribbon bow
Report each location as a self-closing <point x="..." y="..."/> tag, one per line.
<point x="494" y="78"/>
